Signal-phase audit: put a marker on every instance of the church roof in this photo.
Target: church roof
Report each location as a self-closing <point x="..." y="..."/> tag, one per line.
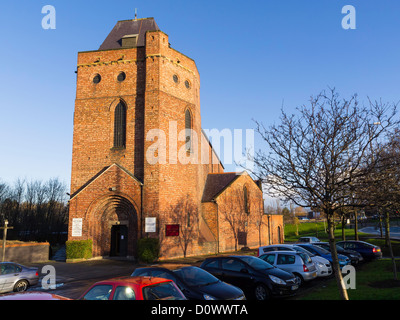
<point x="216" y="183"/>
<point x="129" y="27"/>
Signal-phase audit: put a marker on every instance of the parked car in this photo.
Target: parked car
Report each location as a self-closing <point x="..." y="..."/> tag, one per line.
<point x="324" y="267"/>
<point x="195" y="283"/>
<point x="367" y="250"/>
<point x="16" y="277"/>
<point x="298" y="263"/>
<point x="32" y="295"/>
<point x="256" y="277"/>
<point x="354" y="256"/>
<point x="318" y="251"/>
<point x="134" y="288"/>
<point x="308" y="239"/>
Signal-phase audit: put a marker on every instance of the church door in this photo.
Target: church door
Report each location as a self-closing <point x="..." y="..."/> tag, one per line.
<point x="119" y="241"/>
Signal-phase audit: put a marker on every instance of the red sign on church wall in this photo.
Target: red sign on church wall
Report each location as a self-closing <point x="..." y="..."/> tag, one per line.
<point x="172" y="230"/>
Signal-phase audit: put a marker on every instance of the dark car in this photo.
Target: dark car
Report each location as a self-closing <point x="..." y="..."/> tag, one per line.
<point x="256" y="277"/>
<point x="367" y="250"/>
<point x="318" y="251"/>
<point x="195" y="283"/>
<point x="354" y="256"/>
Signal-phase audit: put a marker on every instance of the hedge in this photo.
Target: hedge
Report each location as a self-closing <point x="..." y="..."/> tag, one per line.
<point x="79" y="249"/>
<point x="148" y="249"/>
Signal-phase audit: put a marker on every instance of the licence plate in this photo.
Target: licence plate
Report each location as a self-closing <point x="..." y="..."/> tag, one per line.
<point x="295" y="287"/>
<point x="314" y="274"/>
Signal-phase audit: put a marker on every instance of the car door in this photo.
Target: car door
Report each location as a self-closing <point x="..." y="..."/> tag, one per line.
<point x="236" y="272"/>
<point x="8" y="277"/>
<point x="285" y="261"/>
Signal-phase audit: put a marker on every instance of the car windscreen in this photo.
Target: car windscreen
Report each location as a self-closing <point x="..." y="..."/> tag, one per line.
<point x="162" y="291"/>
<point x="194" y="276"/>
<point x="300" y="249"/>
<point x="256" y="263"/>
<point x="320" y="250"/>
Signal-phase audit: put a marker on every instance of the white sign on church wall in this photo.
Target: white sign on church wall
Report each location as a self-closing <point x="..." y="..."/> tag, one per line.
<point x="150" y="225"/>
<point x="77" y="227"/>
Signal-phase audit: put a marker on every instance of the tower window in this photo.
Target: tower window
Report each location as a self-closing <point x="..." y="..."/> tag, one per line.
<point x="187" y="84"/>
<point x="96" y="79"/>
<point x="175" y="77"/>
<point x="121" y="77"/>
<point x="188" y="130"/>
<point x="120" y="126"/>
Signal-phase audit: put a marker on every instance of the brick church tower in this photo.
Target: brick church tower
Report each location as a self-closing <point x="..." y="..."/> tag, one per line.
<point x="139" y="150"/>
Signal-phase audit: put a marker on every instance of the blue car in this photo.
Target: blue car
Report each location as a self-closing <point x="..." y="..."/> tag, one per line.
<point x="318" y="251"/>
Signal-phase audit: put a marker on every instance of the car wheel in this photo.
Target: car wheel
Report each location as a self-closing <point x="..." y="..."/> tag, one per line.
<point x="261" y="292"/>
<point x="299" y="279"/>
<point x="21" y="286"/>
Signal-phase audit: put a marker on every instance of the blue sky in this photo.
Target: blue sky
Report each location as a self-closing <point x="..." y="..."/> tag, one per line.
<point x="253" y="56"/>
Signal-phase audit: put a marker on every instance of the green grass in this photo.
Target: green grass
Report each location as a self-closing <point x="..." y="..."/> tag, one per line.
<point x="374" y="281"/>
<point x="315" y="229"/>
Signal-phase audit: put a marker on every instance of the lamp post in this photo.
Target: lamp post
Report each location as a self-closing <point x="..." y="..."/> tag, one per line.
<point x="5" y="238"/>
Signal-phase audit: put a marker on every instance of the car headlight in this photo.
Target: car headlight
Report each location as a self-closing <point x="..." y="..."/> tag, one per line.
<point x="277" y="280"/>
<point x="320" y="265"/>
<point x="208" y="297"/>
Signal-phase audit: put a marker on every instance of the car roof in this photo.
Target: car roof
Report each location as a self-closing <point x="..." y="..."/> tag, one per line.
<point x="139" y="280"/>
<point x="283" y="251"/>
<point x="33" y="295"/>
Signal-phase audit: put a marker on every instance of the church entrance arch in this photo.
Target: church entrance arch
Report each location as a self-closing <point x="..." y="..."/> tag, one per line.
<point x="114" y="227"/>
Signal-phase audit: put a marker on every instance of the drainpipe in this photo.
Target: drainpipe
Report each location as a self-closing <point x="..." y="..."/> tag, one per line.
<point x="217" y="225"/>
<point x="141" y="210"/>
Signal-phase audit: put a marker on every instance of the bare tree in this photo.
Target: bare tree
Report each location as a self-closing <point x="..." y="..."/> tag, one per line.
<point x="185" y="213"/>
<point x="314" y="158"/>
<point x="234" y="213"/>
<point x="381" y="188"/>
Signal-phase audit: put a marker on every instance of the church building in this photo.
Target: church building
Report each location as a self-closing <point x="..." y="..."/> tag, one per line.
<point x="142" y="166"/>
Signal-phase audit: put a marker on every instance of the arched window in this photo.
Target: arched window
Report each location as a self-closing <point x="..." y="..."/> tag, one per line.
<point x="188" y="130"/>
<point x="120" y="126"/>
<point x="246" y="200"/>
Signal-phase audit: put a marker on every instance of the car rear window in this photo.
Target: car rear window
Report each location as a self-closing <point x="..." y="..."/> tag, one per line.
<point x="306" y="258"/>
<point x="162" y="291"/>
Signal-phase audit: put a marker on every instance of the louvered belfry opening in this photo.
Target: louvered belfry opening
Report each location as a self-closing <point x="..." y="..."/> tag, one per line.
<point x="188" y="130"/>
<point x="120" y="126"/>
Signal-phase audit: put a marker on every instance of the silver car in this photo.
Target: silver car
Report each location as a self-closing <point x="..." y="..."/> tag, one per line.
<point x="16" y="277"/>
<point x="324" y="267"/>
<point x="298" y="263"/>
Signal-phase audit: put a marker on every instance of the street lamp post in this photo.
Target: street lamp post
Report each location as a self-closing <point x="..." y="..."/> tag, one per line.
<point x="5" y="238"/>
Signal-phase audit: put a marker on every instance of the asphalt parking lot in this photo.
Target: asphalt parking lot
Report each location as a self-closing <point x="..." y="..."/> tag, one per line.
<point x="72" y="279"/>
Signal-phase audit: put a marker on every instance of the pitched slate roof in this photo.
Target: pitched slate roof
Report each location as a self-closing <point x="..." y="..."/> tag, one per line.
<point x="128" y="27"/>
<point x="216" y="183"/>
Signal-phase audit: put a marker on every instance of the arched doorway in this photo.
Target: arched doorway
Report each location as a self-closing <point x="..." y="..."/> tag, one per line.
<point x="115" y="227"/>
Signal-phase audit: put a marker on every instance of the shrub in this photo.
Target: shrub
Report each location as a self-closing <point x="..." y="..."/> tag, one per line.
<point x="79" y="249"/>
<point x="148" y="249"/>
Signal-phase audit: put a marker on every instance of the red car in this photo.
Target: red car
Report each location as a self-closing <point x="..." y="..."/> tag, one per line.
<point x="134" y="288"/>
<point x="32" y="295"/>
